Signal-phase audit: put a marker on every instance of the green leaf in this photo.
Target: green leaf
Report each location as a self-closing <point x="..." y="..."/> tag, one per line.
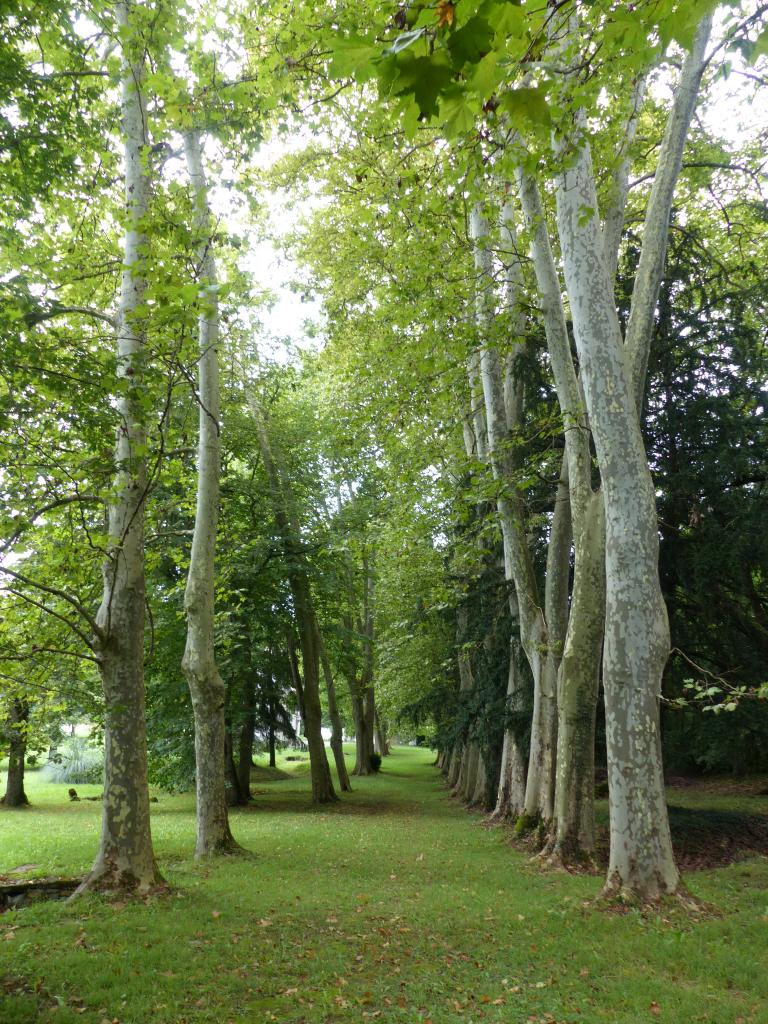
<point x="470" y="43"/>
<point x="487" y="75"/>
<point x="526" y="106"/>
<point x="351" y="55"/>
<point x="456" y="114"/>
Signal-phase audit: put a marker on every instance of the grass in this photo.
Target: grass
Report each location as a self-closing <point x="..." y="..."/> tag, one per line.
<point x="394" y="905"/>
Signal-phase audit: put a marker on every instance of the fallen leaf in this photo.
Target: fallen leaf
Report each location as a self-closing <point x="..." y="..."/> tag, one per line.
<point x="655" y="1008"/>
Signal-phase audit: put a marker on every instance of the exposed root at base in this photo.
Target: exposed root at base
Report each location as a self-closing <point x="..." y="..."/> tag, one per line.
<point x="120" y="885"/>
<point x="229" y="848"/>
<point x="622" y="900"/>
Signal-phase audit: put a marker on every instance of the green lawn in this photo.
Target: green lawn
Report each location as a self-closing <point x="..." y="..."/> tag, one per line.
<point x="394" y="905"/>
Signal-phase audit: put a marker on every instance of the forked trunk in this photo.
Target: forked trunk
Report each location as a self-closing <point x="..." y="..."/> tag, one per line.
<point x="636" y="628"/>
<point x="577" y="678"/>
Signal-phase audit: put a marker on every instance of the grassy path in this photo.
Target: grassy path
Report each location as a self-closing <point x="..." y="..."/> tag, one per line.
<point x="395" y="905"/>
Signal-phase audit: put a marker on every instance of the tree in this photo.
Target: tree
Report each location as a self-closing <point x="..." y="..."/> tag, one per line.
<point x="16" y="730"/>
<point x="199" y="661"/>
<point x="306" y="619"/>
<point x="125" y="858"/>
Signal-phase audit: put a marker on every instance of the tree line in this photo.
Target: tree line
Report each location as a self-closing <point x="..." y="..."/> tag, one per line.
<point x="528" y="444"/>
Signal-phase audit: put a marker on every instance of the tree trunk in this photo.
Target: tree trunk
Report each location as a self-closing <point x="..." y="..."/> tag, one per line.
<point x="234" y="794"/>
<point x="125" y="859"/>
<point x="247" y="729"/>
<point x="465" y="759"/>
<point x="470" y="777"/>
<point x="577" y="679"/>
<point x="365" y="705"/>
<point x="206" y="686"/>
<point x="337" y="744"/>
<point x="17" y="736"/>
<point x="578" y="683"/>
<point x="452" y="775"/>
<point x="556" y="616"/>
<point x="479" y="795"/>
<point x="518" y="564"/>
<point x="271" y="741"/>
<point x="636" y="628"/>
<point x="380" y="737"/>
<point x="510" y="798"/>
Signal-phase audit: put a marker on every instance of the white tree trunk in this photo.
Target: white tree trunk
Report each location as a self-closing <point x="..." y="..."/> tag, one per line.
<point x="656" y="227"/>
<point x="636" y="628"/>
<point x="510" y="798"/>
<point x="125" y="858"/>
<point x="572" y="837"/>
<point x="518" y="565"/>
<point x="206" y="686"/>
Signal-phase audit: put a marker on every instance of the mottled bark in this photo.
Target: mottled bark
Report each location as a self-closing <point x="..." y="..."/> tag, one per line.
<point x="501" y="400"/>
<point x="556" y="616"/>
<point x="206" y="686"/>
<point x="650" y="270"/>
<point x="636" y="628"/>
<point x="572" y="835"/>
<point x="17" y="742"/>
<point x="578" y="682"/>
<point x="125" y="858"/>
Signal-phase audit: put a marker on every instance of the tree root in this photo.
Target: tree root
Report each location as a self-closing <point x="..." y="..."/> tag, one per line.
<point x="622" y="899"/>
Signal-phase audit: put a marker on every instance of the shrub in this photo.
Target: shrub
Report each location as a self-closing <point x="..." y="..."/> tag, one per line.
<point x="77" y="763"/>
